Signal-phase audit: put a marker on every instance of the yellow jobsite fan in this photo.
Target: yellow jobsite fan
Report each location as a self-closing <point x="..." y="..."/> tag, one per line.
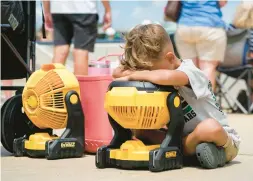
<point x="134" y="105"/>
<point x="51" y="100"/>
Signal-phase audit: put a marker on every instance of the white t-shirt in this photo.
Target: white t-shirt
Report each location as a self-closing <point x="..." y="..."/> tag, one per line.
<point x="199" y="102"/>
<point x="74" y="7"/>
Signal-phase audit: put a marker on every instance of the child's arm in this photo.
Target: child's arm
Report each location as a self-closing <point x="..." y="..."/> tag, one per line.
<point x="161" y="77"/>
<point x="119" y="72"/>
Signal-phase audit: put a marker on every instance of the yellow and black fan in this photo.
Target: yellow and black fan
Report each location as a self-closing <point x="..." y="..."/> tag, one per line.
<point x="134" y="105"/>
<point x="51" y="101"/>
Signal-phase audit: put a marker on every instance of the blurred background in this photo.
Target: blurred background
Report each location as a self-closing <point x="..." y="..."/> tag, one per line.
<point x="127" y="14"/>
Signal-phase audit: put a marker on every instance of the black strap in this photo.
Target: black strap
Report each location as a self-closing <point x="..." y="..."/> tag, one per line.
<point x="43" y="23"/>
<point x="14" y="50"/>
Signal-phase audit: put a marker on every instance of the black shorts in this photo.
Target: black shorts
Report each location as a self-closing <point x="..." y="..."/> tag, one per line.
<point x="81" y="27"/>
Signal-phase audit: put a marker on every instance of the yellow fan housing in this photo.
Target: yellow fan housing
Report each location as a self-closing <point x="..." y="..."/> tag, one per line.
<point x="138" y="109"/>
<point x="44" y="96"/>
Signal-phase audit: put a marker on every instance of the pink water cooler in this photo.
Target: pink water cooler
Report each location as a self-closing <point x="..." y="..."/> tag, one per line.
<point x="98" y="130"/>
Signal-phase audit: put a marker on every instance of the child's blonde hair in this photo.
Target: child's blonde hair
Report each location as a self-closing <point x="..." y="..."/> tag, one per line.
<point x="144" y="44"/>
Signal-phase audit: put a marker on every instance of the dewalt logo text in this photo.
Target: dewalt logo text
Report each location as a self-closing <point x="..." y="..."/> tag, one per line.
<point x="68" y="145"/>
<point x="170" y="154"/>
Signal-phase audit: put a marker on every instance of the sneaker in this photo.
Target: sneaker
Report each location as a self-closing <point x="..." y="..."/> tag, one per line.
<point x="210" y="156"/>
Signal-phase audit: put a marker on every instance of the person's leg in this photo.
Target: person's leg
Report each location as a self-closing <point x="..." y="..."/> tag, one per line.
<point x="211" y="48"/>
<point x="185" y="44"/>
<point x="60" y="54"/>
<point x="85" y="34"/>
<point x="206" y="131"/>
<point x="209" y="68"/>
<point x="81" y="58"/>
<point x="211" y="143"/>
<point x="63" y="33"/>
<point x="7" y="93"/>
<point x="196" y="62"/>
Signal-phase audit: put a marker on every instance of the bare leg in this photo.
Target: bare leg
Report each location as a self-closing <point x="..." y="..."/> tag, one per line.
<point x="206" y="131"/>
<point x="7" y="93"/>
<point x="60" y="54"/>
<point x="81" y="58"/>
<point x="196" y="61"/>
<point x="209" y="68"/>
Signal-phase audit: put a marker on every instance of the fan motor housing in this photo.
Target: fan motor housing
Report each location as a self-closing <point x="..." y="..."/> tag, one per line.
<point x="135" y="105"/>
<point x="51" y="100"/>
<point x="44" y="94"/>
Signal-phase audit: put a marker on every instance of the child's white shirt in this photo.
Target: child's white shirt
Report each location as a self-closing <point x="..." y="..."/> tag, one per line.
<point x="199" y="102"/>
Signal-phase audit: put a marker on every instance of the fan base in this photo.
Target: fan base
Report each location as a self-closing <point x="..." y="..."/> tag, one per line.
<point x="37" y="141"/>
<point x="34" y="146"/>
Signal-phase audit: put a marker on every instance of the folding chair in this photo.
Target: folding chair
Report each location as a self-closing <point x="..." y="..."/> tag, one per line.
<point x="236" y="54"/>
<point x="223" y="92"/>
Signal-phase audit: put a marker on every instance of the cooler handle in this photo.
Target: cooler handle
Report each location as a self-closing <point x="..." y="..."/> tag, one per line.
<point x="110" y="55"/>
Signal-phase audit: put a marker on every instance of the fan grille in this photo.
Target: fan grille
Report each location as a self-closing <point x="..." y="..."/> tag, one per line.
<point x="135" y="109"/>
<point x="51" y="111"/>
<point x="145" y="117"/>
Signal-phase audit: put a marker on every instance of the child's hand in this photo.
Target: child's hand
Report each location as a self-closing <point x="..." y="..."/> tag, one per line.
<point x="129" y="75"/>
<point x="126" y="78"/>
<point x="128" y="72"/>
<point x="119" y="72"/>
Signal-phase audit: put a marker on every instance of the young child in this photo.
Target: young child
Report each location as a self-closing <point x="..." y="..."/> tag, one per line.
<point x="149" y="56"/>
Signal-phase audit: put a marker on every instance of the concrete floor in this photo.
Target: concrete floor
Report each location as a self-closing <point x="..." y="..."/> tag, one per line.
<point x="27" y="169"/>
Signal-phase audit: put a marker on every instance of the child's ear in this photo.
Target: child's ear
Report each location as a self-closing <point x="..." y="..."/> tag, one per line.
<point x="170" y="57"/>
